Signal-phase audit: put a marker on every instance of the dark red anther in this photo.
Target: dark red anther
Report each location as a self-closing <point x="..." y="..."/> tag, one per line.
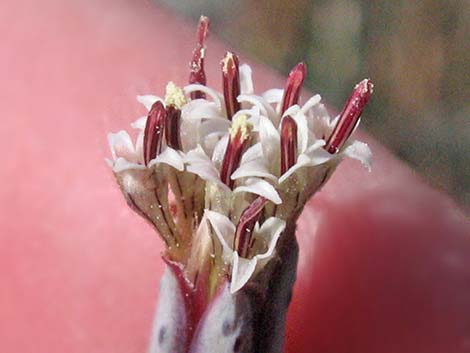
<point x="293" y="86"/>
<point x="197" y="73"/>
<point x="154" y="130"/>
<point x="231" y="83"/>
<point x="288" y="143"/>
<point x="172" y="127"/>
<point x="202" y="29"/>
<point x="349" y="116"/>
<point x="246" y="224"/>
<point x="237" y="143"/>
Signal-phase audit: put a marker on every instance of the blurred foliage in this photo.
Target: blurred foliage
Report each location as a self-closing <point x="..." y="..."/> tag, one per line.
<point x="417" y="54"/>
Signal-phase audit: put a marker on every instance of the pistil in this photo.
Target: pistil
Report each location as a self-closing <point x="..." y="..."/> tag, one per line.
<point x="231" y="83"/>
<point x="349" y="116"/>
<point x="244" y="231"/>
<point x="293" y="86"/>
<point x="288" y="143"/>
<point x="197" y="73"/>
<point x="238" y="142"/>
<point x="154" y="131"/>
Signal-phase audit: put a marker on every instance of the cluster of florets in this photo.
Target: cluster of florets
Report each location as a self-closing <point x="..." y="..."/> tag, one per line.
<point x="220" y="175"/>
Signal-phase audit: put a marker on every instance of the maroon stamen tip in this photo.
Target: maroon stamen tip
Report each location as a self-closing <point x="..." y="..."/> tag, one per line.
<point x="231" y="83"/>
<point x="202" y="29"/>
<point x="293" y="86"/>
<point x="197" y="74"/>
<point x="349" y="116"/>
<point x="172" y="127"/>
<point x="154" y="131"/>
<point x="246" y="224"/>
<point x="233" y="156"/>
<point x="288" y="143"/>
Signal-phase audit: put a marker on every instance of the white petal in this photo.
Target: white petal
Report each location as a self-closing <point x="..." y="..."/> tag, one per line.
<point x="273" y="95"/>
<point x="318" y="155"/>
<point x="257" y="101"/>
<point x="122" y="164"/>
<point x="109" y="162"/>
<point x="302" y="131"/>
<point x="360" y="151"/>
<point x="254" y="168"/>
<point x="148" y="100"/>
<point x="139" y="146"/>
<point x="219" y="125"/>
<point x="219" y="150"/>
<point x="270" y="231"/>
<point x="302" y="161"/>
<point x="208" y="91"/>
<point x="201" y="109"/>
<point x="210" y="141"/>
<point x="224" y="230"/>
<point x="319" y="121"/>
<point x="260" y="187"/>
<point x="314" y="155"/>
<point x="270" y="139"/>
<point x="313" y="101"/>
<point x="196" y="155"/>
<point x="242" y="270"/>
<point x="251" y="112"/>
<point x="253" y="152"/>
<point x="246" y="82"/>
<point x="199" y="163"/>
<point x="292" y="110"/>
<point x="169" y="156"/>
<point x="315" y="145"/>
<point x="121" y="145"/>
<point x="140" y="123"/>
<point x="207" y="172"/>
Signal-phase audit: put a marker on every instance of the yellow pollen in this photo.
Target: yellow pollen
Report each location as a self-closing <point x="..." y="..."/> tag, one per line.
<point x="242" y="125"/>
<point x="174" y="95"/>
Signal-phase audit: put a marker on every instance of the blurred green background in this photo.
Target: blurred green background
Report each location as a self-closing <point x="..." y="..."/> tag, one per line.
<point x="416" y="52"/>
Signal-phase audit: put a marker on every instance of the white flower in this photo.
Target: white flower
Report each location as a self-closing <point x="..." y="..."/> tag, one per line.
<point x="241" y="162"/>
<point x="265" y="238"/>
<point x="313" y="124"/>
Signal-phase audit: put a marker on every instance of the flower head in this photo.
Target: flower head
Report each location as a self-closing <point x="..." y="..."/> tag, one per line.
<point x="221" y="174"/>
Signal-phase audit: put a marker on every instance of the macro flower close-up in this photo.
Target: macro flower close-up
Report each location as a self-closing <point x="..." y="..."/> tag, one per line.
<point x="183" y="194"/>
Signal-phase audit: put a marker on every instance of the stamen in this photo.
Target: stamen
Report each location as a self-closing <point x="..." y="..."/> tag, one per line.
<point x="172" y="127"/>
<point x="238" y="141"/>
<point x="246" y="224"/>
<point x="153" y="134"/>
<point x="349" y="117"/>
<point x="197" y="73"/>
<point x="288" y="143"/>
<point x="231" y="83"/>
<point x="294" y="85"/>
